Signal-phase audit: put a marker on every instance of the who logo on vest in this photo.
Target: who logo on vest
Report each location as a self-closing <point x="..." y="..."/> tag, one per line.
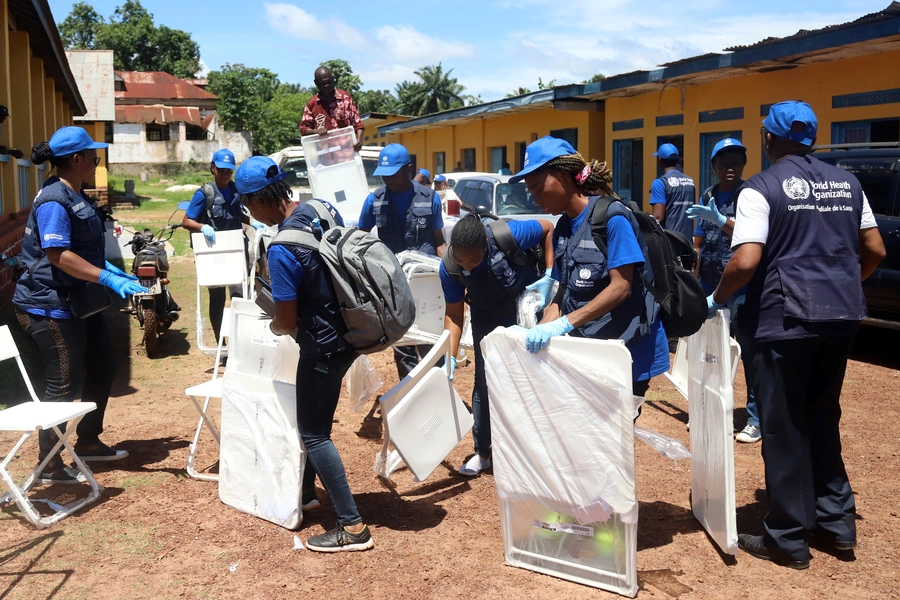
<point x="796" y="188"/>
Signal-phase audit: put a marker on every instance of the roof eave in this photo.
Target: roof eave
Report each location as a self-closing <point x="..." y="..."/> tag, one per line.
<point x="46" y="16"/>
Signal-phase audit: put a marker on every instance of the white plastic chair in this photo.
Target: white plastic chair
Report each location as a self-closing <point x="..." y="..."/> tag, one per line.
<point x="221" y="264"/>
<point x="209" y="389"/>
<point x="28" y="418"/>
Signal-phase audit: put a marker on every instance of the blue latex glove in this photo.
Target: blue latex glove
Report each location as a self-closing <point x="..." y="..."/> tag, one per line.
<point x="209" y="233"/>
<point x="734" y="303"/>
<point x="539" y="336"/>
<point x="709" y="213"/>
<point x="117" y="271"/>
<point x="452" y="367"/>
<point x="121" y="285"/>
<point x="257" y="225"/>
<point x="545" y="286"/>
<point x="712" y="306"/>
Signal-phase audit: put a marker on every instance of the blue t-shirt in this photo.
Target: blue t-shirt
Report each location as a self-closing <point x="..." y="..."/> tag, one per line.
<point x="197" y="207"/>
<point x="526" y="234"/>
<point x="721" y="200"/>
<point x="658" y="192"/>
<point x="285" y="272"/>
<point x="56" y="232"/>
<point x="401" y="201"/>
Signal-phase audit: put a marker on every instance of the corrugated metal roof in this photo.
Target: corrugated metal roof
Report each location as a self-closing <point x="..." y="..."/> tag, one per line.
<point x="159" y="114"/>
<point x="159" y="86"/>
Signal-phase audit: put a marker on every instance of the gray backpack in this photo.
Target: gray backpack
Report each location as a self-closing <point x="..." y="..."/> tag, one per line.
<point x="376" y="303"/>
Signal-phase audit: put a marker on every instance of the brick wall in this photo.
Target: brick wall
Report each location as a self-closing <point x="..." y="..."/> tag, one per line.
<point x="12" y="228"/>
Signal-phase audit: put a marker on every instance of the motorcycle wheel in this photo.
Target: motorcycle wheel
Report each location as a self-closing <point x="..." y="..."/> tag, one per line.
<point x="151" y="336"/>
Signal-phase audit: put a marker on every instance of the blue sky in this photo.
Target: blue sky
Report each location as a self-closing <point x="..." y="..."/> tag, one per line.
<point x="493" y="46"/>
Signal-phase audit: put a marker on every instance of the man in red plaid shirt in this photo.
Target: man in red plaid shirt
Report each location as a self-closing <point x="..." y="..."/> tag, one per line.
<point x="330" y="109"/>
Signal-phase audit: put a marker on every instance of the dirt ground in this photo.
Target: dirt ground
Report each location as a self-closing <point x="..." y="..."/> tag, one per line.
<point x="157" y="533"/>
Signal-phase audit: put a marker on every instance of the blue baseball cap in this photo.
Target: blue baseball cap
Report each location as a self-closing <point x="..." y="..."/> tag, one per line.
<point x="425" y="172"/>
<point x="224" y="159"/>
<point x="540" y="152"/>
<point x="392" y="158"/>
<point x="254" y="174"/>
<point x="69" y="140"/>
<point x="667" y="152"/>
<point x="793" y="120"/>
<point x="440" y="178"/>
<point x="727" y="143"/>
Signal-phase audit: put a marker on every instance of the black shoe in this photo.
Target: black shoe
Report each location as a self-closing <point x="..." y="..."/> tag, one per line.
<point x="308" y="501"/>
<point x="827" y="539"/>
<point x="341" y="540"/>
<point x="61" y="474"/>
<point x="754" y="546"/>
<point x="101" y="453"/>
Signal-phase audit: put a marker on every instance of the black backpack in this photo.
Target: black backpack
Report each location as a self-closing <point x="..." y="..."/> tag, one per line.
<point x="507" y="244"/>
<point x="672" y="258"/>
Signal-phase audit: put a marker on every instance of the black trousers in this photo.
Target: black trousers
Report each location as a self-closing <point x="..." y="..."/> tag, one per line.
<point x="798" y="386"/>
<point x="217" y="305"/>
<point x="73" y="351"/>
<point x="407" y="357"/>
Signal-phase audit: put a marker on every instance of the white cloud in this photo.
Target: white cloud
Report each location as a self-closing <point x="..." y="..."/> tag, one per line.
<point x="204" y="69"/>
<point x="406" y="45"/>
<point x="295" y="22"/>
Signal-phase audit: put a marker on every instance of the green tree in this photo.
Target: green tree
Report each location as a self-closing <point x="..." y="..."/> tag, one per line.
<point x="79" y="29"/>
<point x="545" y="86"/>
<point x="344" y="77"/>
<point x="435" y="92"/>
<point x="595" y="78"/>
<point x="243" y="94"/>
<point x="520" y="91"/>
<point x="137" y="43"/>
<point x="376" y="101"/>
<point x="471" y="100"/>
<point x="277" y="124"/>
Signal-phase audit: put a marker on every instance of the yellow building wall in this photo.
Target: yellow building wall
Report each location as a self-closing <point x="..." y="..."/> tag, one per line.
<point x="96" y="131"/>
<point x="483" y="134"/>
<point x="815" y="84"/>
<point x="7" y="170"/>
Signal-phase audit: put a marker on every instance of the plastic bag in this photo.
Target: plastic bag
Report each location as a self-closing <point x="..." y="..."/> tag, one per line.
<point x="664" y="445"/>
<point x="385" y="466"/>
<point x="529" y="306"/>
<point x="362" y="381"/>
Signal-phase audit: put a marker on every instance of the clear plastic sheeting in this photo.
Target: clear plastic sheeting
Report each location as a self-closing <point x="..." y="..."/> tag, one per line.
<point x="261" y="458"/>
<point x="679" y="374"/>
<point x="336" y="171"/>
<point x="386" y="463"/>
<point x="711" y="359"/>
<point x="530" y="304"/>
<point x="668" y="447"/>
<point x="562" y="432"/>
<point x="362" y="380"/>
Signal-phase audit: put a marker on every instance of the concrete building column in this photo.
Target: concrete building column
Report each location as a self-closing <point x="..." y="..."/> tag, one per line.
<point x="20" y="110"/>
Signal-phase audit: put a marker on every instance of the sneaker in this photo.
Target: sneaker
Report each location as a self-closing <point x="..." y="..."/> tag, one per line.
<point x="341" y="540"/>
<point x="62" y="474"/>
<point x="475" y="465"/>
<point x="309" y="502"/>
<point x="101" y="453"/>
<point x="749" y="434"/>
<point x="756" y="547"/>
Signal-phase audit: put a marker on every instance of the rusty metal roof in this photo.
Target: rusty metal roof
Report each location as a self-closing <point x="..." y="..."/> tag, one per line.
<point x="159" y="86"/>
<point x="159" y="114"/>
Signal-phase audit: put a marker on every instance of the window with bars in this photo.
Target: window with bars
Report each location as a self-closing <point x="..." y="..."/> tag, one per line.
<point x="157" y="133"/>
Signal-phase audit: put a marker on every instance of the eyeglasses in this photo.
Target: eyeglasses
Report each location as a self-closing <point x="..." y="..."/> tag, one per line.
<point x="94" y="156"/>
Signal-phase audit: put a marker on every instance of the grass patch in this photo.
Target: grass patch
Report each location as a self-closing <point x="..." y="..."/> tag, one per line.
<point x="133" y="482"/>
<point x="155" y="189"/>
<point x="92" y="541"/>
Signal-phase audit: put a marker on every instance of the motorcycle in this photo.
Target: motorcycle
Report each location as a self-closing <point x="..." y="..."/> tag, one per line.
<point x="155" y="310"/>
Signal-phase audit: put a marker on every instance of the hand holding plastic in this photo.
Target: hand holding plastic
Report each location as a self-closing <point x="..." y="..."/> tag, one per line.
<point x="709" y="213"/>
<point x="209" y="233"/>
<point x="452" y="367"/>
<point x="544" y="285"/>
<point x="117" y="271"/>
<point x="121" y="285"/>
<point x="257" y="225"/>
<point x="712" y="306"/>
<point x="539" y="336"/>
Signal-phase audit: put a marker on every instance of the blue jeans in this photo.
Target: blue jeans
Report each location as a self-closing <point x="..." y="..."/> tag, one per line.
<point x="318" y="389"/>
<point x="747" y="349"/>
<point x="481" y="409"/>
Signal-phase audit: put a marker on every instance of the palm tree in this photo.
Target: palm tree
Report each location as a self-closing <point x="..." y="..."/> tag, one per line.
<point x="436" y="91"/>
<point x="407" y="93"/>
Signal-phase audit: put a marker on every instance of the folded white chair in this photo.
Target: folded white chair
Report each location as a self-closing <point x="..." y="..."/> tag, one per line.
<point x="221" y="264"/>
<point x="208" y="390"/>
<point x="28" y="418"/>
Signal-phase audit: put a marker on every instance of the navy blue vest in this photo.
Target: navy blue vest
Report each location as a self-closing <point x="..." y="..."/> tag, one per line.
<point x="584" y="272"/>
<point x="492" y="292"/>
<point x="715" y="251"/>
<point x="416" y="232"/>
<point x="319" y="322"/>
<point x="225" y="216"/>
<point x="680" y="196"/>
<point x="43" y="286"/>
<point x="808" y="280"/>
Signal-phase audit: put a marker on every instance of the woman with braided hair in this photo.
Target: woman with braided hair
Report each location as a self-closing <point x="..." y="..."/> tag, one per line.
<point x="476" y="270"/>
<point x="599" y="269"/>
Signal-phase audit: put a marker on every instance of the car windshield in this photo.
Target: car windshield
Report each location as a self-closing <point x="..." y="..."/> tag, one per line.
<point x="514" y="199"/>
<point x="299" y="177"/>
<point x="370" y="164"/>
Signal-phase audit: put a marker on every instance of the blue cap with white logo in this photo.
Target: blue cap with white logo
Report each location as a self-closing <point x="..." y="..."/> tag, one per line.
<point x="540" y="152"/>
<point x="69" y="140"/>
<point x="727" y="143"/>
<point x="793" y="120"/>
<point x="667" y="152"/>
<point x="393" y="157"/>
<point x="257" y="172"/>
<point x="425" y="172"/>
<point x="440" y="178"/>
<point x="224" y="159"/>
